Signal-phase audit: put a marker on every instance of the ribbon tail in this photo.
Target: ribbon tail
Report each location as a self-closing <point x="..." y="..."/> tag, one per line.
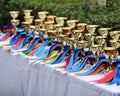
<point x="79" y="66"/>
<point x="107" y="78"/>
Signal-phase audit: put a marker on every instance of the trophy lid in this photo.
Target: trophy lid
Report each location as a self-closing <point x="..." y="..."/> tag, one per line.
<point x="104" y="29"/>
<point x="49" y="22"/>
<point x="92" y="25"/>
<point x="43" y="12"/>
<point x="28" y="10"/>
<point x="38" y="20"/>
<point x="14" y="12"/>
<point x="51" y="16"/>
<point x="25" y="22"/>
<point x="109" y="48"/>
<point x="32" y="26"/>
<point x="81" y="24"/>
<point x="59" y="18"/>
<point x="42" y="29"/>
<point x="58" y="25"/>
<point x="77" y="31"/>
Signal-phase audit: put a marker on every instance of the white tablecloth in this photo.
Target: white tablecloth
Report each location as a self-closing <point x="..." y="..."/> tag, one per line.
<point x="21" y="76"/>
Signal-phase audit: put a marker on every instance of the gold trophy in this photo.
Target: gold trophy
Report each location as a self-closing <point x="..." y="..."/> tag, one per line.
<point x="39" y="23"/>
<point x="42" y="15"/>
<point x="104" y="31"/>
<point x="81" y="26"/>
<point x="33" y="29"/>
<point x="14" y="14"/>
<point x="52" y="34"/>
<point x="91" y="28"/>
<point x="114" y="35"/>
<point x="72" y="23"/>
<point x="26" y="25"/>
<point x="67" y="30"/>
<point x="15" y="23"/>
<point x="114" y="43"/>
<point x="77" y="34"/>
<point x="42" y="31"/>
<point x="49" y="25"/>
<point x="27" y="12"/>
<point x="58" y="28"/>
<point x="60" y="20"/>
<point x="51" y="18"/>
<point x="29" y="19"/>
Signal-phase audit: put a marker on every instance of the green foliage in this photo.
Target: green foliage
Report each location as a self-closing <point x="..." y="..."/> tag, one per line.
<point x="73" y="9"/>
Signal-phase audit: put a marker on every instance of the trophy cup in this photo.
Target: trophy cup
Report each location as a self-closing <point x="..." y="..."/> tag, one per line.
<point x="29" y="19"/>
<point x="81" y="26"/>
<point x="39" y="23"/>
<point x="42" y="31"/>
<point x="90" y="38"/>
<point x="58" y="28"/>
<point x="26" y="25"/>
<point x="110" y="51"/>
<point x="14" y="14"/>
<point x="77" y="34"/>
<point x="60" y="20"/>
<point x="91" y="28"/>
<point x="15" y="22"/>
<point x="49" y="25"/>
<point x="42" y="15"/>
<point x="32" y="29"/>
<point x="67" y="31"/>
<point x="51" y="18"/>
<point x="27" y="12"/>
<point x="114" y="43"/>
<point x="72" y="23"/>
<point x="104" y="31"/>
<point x="114" y="35"/>
<point x="52" y="34"/>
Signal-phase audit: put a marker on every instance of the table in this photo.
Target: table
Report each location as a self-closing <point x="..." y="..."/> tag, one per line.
<point x="21" y="76"/>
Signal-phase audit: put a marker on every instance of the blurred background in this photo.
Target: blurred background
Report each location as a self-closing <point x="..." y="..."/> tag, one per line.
<point x="106" y="13"/>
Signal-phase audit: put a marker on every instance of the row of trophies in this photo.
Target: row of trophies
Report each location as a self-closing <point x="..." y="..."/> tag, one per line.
<point x="76" y="43"/>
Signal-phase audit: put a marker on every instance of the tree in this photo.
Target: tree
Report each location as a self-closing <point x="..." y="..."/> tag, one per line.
<point x="92" y="5"/>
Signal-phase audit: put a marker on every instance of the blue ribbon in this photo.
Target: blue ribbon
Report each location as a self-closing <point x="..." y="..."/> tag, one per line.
<point x="48" y="52"/>
<point x="40" y="49"/>
<point x="73" y="58"/>
<point x="105" y="61"/>
<point x="32" y="44"/>
<point x="116" y="79"/>
<point x="60" y="55"/>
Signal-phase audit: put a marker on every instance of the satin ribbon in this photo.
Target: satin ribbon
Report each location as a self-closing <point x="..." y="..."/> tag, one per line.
<point x="73" y="58"/>
<point x="31" y="45"/>
<point x="82" y="63"/>
<point x="6" y="36"/>
<point x="48" y="52"/>
<point x="61" y="55"/>
<point x="116" y="79"/>
<point x="34" y="50"/>
<point x="23" y="42"/>
<point x="51" y="56"/>
<point x="97" y="67"/>
<point x="41" y="48"/>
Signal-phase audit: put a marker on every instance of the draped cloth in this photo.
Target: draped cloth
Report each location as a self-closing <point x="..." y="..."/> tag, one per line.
<point x="21" y="76"/>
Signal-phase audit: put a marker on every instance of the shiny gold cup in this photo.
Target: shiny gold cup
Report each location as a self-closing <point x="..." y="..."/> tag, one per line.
<point x="60" y="20"/>
<point x="114" y="35"/>
<point x="110" y="51"/>
<point x="14" y="14"/>
<point x="91" y="28"/>
<point x="81" y="26"/>
<point x="104" y="31"/>
<point x="42" y="15"/>
<point x="51" y="18"/>
<point x="27" y="12"/>
<point x="114" y="43"/>
<point x="72" y="23"/>
<point x="29" y="19"/>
